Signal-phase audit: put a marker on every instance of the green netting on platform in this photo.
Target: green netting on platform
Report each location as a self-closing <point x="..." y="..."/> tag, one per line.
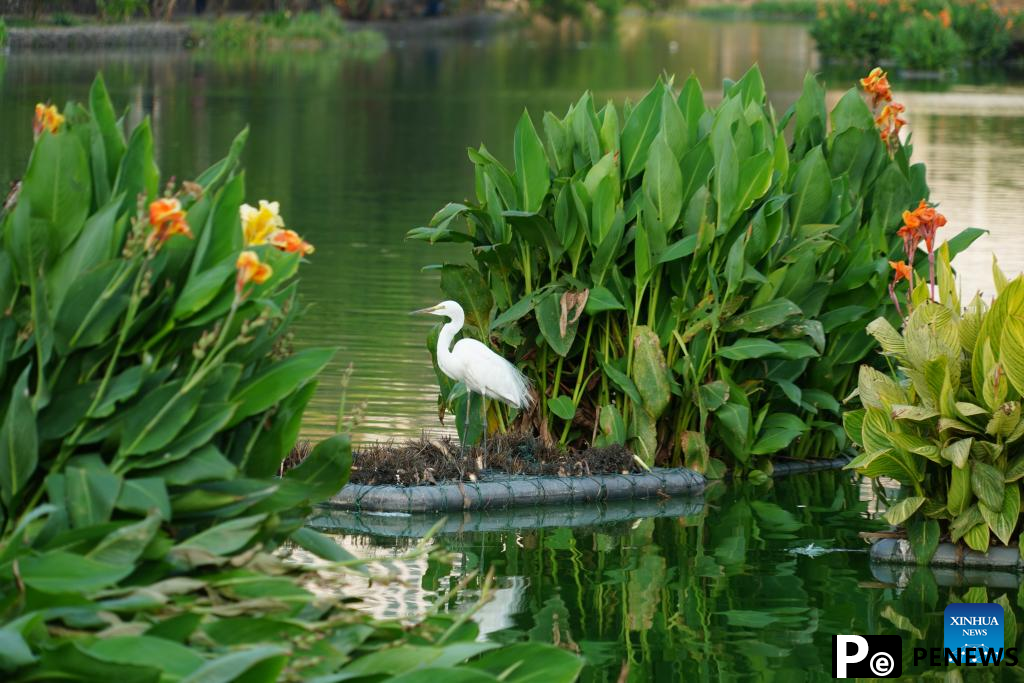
<point x="514" y="491"/>
<point x="788" y="467"/>
<point x="897" y="551"/>
<point x="405" y="525"/>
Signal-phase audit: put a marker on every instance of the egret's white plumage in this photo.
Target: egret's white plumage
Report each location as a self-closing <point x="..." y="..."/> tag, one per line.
<point x="471" y="362"/>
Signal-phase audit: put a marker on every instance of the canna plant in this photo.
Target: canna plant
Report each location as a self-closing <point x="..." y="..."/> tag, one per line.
<point x="148" y="394"/>
<point x="947" y="423"/>
<point x="692" y="280"/>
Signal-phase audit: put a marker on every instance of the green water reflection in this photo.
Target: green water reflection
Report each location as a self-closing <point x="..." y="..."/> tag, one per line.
<point x="750" y="588"/>
<point x="360" y="148"/>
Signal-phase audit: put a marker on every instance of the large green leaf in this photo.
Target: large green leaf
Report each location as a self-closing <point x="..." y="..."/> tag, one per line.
<point x="326" y="468"/>
<point x="144" y="496"/>
<point x="1003" y="519"/>
<point x="1011" y="351"/>
<point x="321" y="545"/>
<point x="812" y="190"/>
<point x="94" y="304"/>
<point x="988" y="485"/>
<point x="431" y="675"/>
<point x="650" y="374"/>
<point x="106" y="123"/>
<point x="59" y="571"/>
<point x="530" y="663"/>
<point x="91" y="491"/>
<point x="903" y="510"/>
<point x="58" y="187"/>
<point x="278" y="381"/>
<point x="750" y="347"/>
<point x="155" y="420"/>
<point x="466" y="286"/>
<point x="663" y="183"/>
<point x="261" y="664"/>
<point x="174" y="659"/>
<point x="226" y="538"/>
<point x="19" y="442"/>
<point x="549" y="319"/>
<point x="778" y="432"/>
<point x="641" y="127"/>
<point x="851" y="111"/>
<point x="532" y="175"/>
<point x="14" y="651"/>
<point x="762" y="318"/>
<point x="220" y="240"/>
<point x="95" y="245"/>
<point x="138" y="173"/>
<point x="126" y="544"/>
<point x="201" y="288"/>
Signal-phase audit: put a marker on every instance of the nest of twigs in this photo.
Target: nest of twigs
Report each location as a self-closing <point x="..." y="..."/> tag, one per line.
<point x="440" y="460"/>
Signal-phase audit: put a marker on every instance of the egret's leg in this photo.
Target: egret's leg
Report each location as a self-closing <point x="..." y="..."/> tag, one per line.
<point x="469" y="405"/>
<point x="483" y="400"/>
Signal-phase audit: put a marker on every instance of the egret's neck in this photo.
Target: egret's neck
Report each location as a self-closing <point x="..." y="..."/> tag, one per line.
<point x="444" y="341"/>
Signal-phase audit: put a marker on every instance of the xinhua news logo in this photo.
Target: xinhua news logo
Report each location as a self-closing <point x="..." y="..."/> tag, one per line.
<point x="976" y="630"/>
<point x="867" y="656"/>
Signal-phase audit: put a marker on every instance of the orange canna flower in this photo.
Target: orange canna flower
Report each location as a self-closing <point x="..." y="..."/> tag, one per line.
<point x="910" y="236"/>
<point x="167" y="218"/>
<point x="47" y="118"/>
<point x="251" y="269"/>
<point x="889" y="121"/>
<point x="289" y="241"/>
<point x="902" y="271"/>
<point x="923" y="221"/>
<point x="910" y="220"/>
<point x="945" y="18"/>
<point x="876" y="84"/>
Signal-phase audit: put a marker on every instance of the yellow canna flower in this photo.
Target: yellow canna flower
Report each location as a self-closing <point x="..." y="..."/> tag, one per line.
<point x="46" y="118"/>
<point x="259" y="224"/>
<point x="251" y="269"/>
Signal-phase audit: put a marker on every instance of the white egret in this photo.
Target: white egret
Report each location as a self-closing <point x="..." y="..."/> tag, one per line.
<point x="471" y="362"/>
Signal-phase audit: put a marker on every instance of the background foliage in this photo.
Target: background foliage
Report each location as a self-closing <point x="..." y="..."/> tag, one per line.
<point x="946" y="423"/>
<point x="148" y="398"/>
<point x="915" y="34"/>
<point x="693" y="280"/>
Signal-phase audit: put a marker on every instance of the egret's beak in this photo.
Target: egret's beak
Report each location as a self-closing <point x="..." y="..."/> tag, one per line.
<point x="429" y="309"/>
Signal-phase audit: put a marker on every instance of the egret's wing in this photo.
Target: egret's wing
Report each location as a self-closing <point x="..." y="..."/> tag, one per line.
<point x="487" y="373"/>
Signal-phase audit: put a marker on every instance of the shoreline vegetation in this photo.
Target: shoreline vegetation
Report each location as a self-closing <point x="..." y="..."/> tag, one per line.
<point x="303" y="31"/>
<point x="888" y="32"/>
<point x="63" y="30"/>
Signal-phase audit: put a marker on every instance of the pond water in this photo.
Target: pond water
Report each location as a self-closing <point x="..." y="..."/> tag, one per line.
<point x="360" y="149"/>
<point x="749" y="583"/>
